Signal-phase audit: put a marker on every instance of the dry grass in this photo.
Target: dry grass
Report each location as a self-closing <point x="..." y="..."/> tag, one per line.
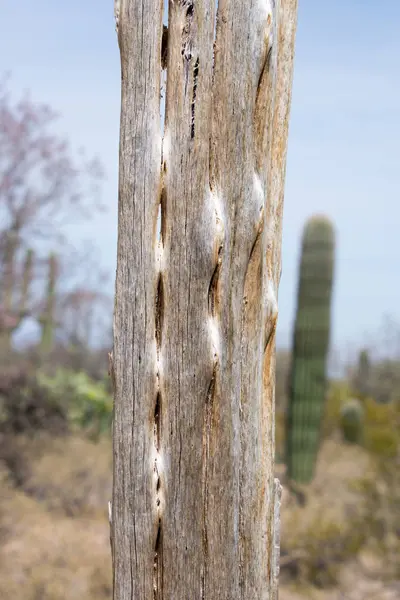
<point x="332" y="541"/>
<point x="55" y="535"/>
<point x="72" y="476"/>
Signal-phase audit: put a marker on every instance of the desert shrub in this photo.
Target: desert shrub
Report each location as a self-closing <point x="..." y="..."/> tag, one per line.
<point x="75" y="358"/>
<point x="379" y="413"/>
<point x="26" y="406"/>
<point x="322" y="547"/>
<point x="381" y="432"/>
<point x="88" y="402"/>
<point x="382" y="510"/>
<point x="382" y="441"/>
<point x="385" y="381"/>
<point x="381" y="421"/>
<point x="337" y="394"/>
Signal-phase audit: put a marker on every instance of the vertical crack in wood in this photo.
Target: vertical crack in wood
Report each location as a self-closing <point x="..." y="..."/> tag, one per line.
<point x="159" y="316"/>
<point x="193" y="105"/>
<point x="111" y="535"/>
<point x="265" y="92"/>
<point x="213" y="306"/>
<point x="213" y="290"/>
<point x="216" y="17"/>
<point x="158" y="564"/>
<point x="207" y="430"/>
<point x="157" y="416"/>
<point x="186" y="50"/>
<point x="161" y="222"/>
<point x="157" y="575"/>
<point x="157" y="422"/>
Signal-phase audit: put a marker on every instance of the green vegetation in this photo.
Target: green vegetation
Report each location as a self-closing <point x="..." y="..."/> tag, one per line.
<point x="88" y="403"/>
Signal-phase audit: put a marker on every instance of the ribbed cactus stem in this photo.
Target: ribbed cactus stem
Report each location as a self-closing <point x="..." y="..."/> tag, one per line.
<point x="48" y="317"/>
<point x="310" y="349"/>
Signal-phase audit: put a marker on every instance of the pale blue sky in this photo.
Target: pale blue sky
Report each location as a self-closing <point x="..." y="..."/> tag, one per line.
<point x="344" y="134"/>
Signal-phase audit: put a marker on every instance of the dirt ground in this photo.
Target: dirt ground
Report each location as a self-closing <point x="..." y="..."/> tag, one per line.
<point x="54" y="535"/>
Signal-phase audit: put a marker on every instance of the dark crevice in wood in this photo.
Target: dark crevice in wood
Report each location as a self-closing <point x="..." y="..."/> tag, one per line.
<point x="159" y="316"/>
<point x="161" y="216"/>
<point x="163" y="206"/>
<point x="263" y="73"/>
<point x="210" y="142"/>
<point x="216" y="17"/>
<point x="213" y="289"/>
<point x="193" y="106"/>
<point x="269" y="334"/>
<point x="189" y="5"/>
<point x="157" y="581"/>
<point x="131" y="568"/>
<point x="262" y="108"/>
<point x="255" y="243"/>
<point x="186" y="42"/>
<point x="164" y="47"/>
<point x="163" y="68"/>
<point x="186" y="50"/>
<point x="207" y="430"/>
<point x="157" y="575"/>
<point x="157" y="422"/>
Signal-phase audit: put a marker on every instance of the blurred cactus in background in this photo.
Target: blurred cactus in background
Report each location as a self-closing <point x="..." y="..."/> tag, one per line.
<point x="14" y="292"/>
<point x="42" y="191"/>
<point x="352" y="421"/>
<point x="362" y="376"/>
<point x="310" y="349"/>
<point x="26" y="282"/>
<point x="47" y="319"/>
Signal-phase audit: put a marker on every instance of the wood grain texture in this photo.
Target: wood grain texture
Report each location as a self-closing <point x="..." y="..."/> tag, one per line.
<point x="196" y="307"/>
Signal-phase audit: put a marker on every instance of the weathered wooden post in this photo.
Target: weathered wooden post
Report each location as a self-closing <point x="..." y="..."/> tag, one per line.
<point x="194" y="508"/>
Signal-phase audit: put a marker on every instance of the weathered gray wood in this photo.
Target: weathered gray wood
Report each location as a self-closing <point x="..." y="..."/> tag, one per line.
<point x="195" y="311"/>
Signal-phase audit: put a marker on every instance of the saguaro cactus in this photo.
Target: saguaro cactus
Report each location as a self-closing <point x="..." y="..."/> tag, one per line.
<point x="12" y="308"/>
<point x="362" y="376"/>
<point x="48" y="317"/>
<point x="310" y="349"/>
<point x="26" y="282"/>
<point x="195" y="506"/>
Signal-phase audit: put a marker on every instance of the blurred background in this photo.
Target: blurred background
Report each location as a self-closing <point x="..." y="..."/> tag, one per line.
<point x="338" y="360"/>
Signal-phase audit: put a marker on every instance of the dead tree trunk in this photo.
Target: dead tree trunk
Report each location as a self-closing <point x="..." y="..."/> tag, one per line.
<point x="195" y="506"/>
